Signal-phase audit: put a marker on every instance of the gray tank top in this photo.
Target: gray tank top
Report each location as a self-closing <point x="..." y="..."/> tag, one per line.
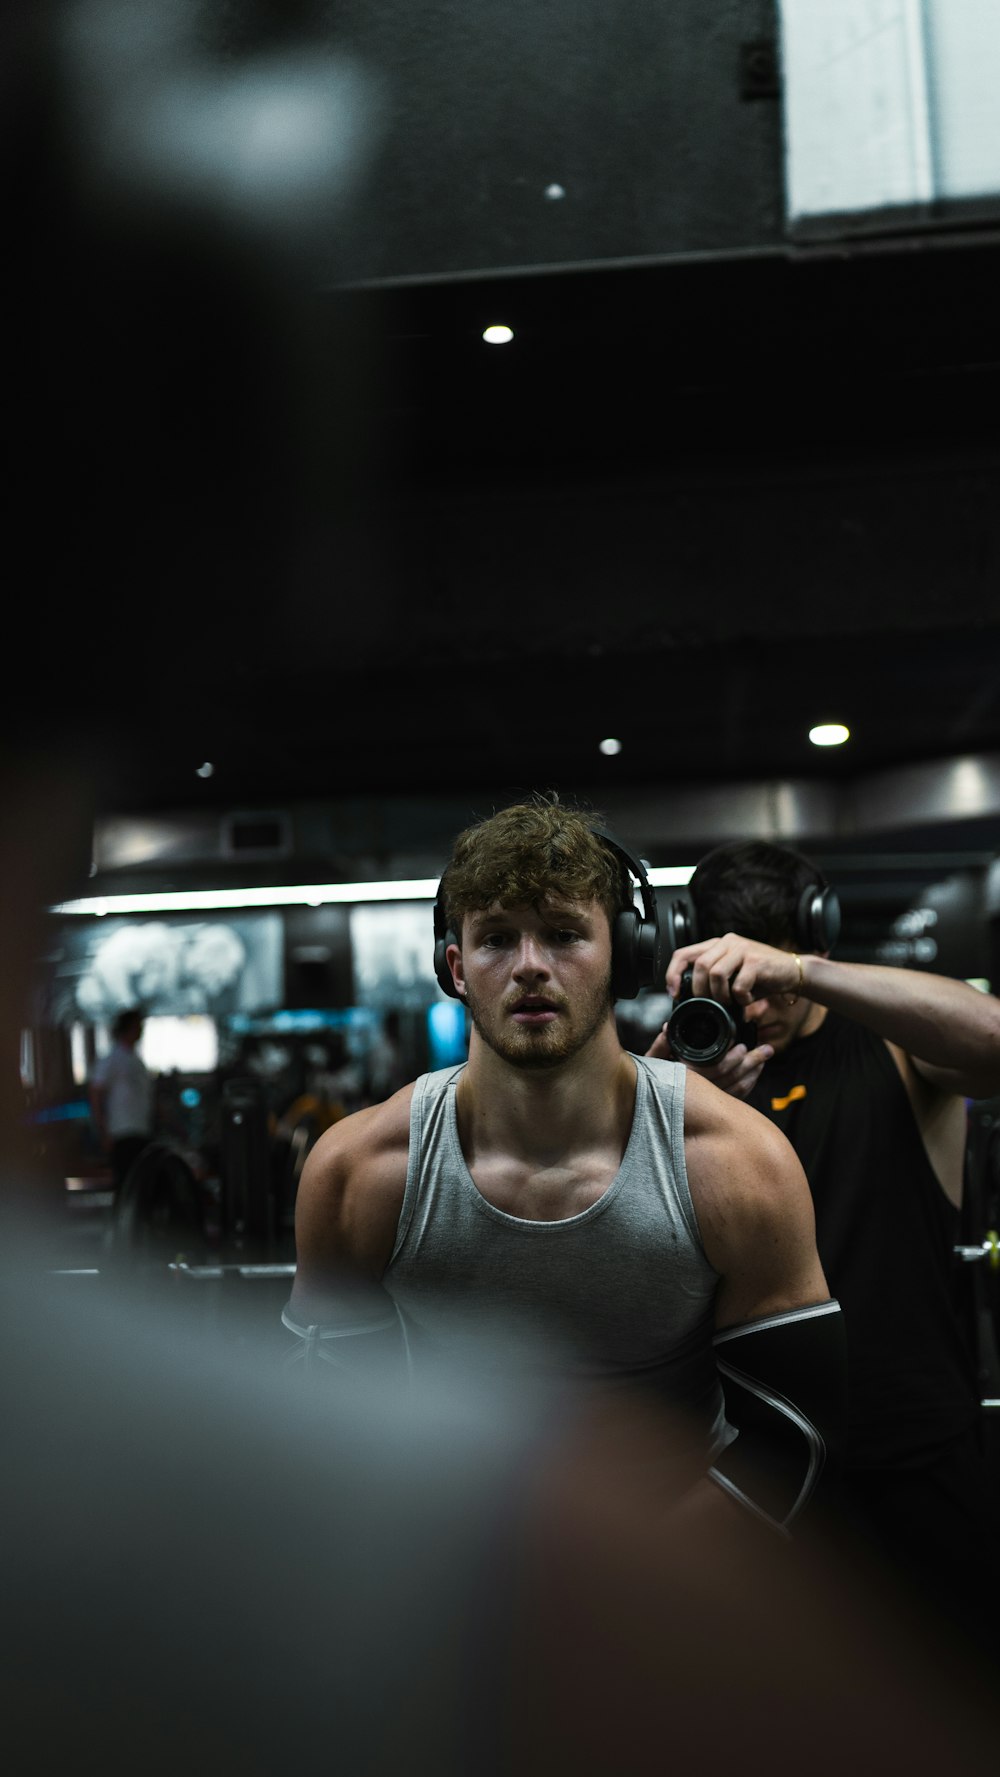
<point x="624" y="1289"/>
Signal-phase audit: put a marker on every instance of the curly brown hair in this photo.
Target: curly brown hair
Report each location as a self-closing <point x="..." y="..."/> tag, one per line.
<point x="528" y="853"/>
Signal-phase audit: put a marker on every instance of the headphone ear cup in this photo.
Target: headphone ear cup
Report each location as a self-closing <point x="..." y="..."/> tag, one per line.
<point x="829" y="918"/>
<point x="625" y="969"/>
<point x="817" y="923"/>
<point x="649" y="964"/>
<point x="681" y="924"/>
<point x="443" y="936"/>
<point x="444" y="976"/>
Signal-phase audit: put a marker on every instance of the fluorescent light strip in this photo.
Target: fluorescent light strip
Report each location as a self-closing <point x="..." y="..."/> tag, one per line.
<point x="305" y="895"/>
<point x="423" y="888"/>
<point x="670" y="875"/>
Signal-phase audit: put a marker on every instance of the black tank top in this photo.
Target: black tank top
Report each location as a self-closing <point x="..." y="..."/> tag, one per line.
<point x="885" y="1232"/>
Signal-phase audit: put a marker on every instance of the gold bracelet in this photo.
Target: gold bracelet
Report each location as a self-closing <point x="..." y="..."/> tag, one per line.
<point x="792" y="999"/>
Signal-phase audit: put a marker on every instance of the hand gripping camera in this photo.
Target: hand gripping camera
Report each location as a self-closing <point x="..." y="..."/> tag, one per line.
<point x="700" y="1030"/>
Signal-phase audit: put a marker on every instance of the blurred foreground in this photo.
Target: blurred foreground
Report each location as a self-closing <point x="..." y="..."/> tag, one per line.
<point x="218" y="1562"/>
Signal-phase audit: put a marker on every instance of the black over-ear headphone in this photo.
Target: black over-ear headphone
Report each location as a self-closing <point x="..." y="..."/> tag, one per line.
<point x="817" y="919"/>
<point x="635" y="936"/>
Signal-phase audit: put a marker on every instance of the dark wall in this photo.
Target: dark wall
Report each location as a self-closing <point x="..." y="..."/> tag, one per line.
<point x="912" y="920"/>
<point x="645" y="115"/>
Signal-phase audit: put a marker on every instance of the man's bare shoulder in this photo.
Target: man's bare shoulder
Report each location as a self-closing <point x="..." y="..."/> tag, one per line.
<point x="735" y="1155"/>
<point x="351" y="1190"/>
<point x="374" y="1136"/>
<point x="714" y="1115"/>
<point x="753" y="1205"/>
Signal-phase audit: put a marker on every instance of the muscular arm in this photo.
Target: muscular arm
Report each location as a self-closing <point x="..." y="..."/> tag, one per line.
<point x="754" y="1209"/>
<point x="346" y="1214"/>
<point x="950" y="1031"/>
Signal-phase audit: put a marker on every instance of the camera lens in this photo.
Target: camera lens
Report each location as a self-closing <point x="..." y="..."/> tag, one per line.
<point x="700" y="1030"/>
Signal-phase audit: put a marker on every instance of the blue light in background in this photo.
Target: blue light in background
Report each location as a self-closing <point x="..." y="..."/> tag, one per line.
<point x="446" y="1034"/>
<point x="190" y="1098"/>
<point x="358" y="1018"/>
<point x="76" y="1112"/>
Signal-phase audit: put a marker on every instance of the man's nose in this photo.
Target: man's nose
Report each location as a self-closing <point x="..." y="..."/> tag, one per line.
<point x="530" y="958"/>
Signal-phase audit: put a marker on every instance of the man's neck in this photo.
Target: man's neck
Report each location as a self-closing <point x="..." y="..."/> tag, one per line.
<point x="531" y="1113"/>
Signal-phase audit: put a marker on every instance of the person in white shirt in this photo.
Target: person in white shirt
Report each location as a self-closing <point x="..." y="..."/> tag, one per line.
<point x="121" y="1097"/>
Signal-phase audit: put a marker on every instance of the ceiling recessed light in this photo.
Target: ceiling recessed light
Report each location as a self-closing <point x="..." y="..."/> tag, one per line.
<point x="498" y="336"/>
<point x="205" y="770"/>
<point x="610" y="745"/>
<point x="829" y="734"/>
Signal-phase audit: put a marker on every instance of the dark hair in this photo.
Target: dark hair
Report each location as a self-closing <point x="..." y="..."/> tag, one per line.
<point x="753" y="888"/>
<point x="526" y="854"/>
<point x="130" y="1019"/>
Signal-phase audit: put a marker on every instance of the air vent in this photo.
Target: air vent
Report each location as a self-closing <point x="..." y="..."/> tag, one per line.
<point x="256" y="836"/>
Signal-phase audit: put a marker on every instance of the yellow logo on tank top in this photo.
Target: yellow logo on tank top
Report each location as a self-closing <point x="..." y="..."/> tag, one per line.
<point x="782" y="1104"/>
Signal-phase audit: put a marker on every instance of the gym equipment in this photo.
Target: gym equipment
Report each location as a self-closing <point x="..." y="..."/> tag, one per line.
<point x="159" y="1210"/>
<point x="978" y="1248"/>
<point x="248" y="1211"/>
<point x="785" y="1383"/>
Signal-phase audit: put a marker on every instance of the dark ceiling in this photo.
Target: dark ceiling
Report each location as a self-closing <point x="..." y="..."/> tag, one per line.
<point x="317" y="532"/>
<point x="343" y="546"/>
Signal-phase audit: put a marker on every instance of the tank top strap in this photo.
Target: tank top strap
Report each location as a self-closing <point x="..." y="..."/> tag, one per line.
<point x="429" y="1105"/>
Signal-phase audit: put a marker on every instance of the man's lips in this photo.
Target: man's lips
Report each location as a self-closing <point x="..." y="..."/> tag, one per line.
<point x="534" y="1011"/>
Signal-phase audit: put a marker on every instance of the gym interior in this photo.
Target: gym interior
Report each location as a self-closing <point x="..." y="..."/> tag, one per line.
<point x="434" y="406"/>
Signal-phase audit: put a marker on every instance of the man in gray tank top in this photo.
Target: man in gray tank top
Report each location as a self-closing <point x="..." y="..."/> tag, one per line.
<point x="557" y="1202"/>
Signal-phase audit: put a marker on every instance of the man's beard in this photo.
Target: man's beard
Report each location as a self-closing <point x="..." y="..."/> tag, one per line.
<point x="553" y="1043"/>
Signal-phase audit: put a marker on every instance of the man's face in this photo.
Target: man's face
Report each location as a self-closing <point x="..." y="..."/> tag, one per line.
<point x="537" y="981"/>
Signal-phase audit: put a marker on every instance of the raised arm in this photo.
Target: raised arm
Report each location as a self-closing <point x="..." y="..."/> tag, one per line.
<point x="950" y="1031"/>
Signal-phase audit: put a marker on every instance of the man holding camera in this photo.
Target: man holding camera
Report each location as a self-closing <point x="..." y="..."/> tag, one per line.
<point x="866" y="1070"/>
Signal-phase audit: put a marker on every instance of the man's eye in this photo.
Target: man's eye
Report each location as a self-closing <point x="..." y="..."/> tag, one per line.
<point x="496" y="940"/>
<point x="568" y="937"/>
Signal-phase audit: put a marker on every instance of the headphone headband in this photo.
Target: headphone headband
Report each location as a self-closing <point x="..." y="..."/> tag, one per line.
<point x="637" y="868"/>
<point x="815" y="925"/>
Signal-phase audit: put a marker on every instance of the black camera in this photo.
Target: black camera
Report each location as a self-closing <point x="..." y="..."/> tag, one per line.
<point x="701" y="1030"/>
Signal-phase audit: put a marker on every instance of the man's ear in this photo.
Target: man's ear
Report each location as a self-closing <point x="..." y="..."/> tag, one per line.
<point x="453" y="957"/>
